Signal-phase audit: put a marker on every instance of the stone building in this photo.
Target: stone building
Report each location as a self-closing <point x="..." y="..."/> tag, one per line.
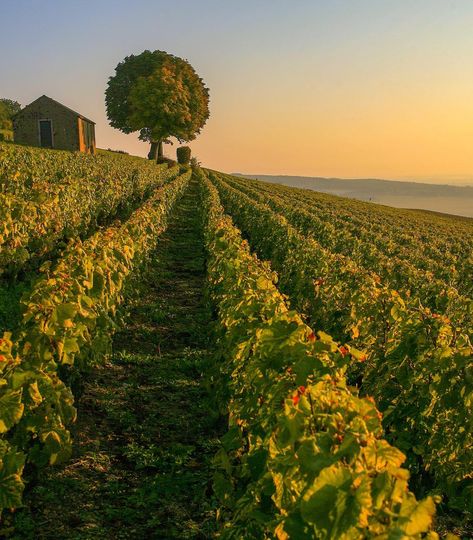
<point x="49" y="124"/>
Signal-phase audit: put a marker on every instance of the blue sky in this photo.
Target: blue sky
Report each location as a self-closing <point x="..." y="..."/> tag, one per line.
<point x="335" y="88"/>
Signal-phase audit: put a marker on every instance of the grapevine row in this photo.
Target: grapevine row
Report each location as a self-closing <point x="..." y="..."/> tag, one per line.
<point x="417" y="365"/>
<point x="68" y="321"/>
<point x="303" y="457"/>
<point x="444" y="252"/>
<point x="395" y="272"/>
<point x="444" y="239"/>
<point x="47" y="196"/>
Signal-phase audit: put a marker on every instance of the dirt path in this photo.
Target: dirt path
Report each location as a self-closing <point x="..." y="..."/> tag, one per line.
<point x="146" y="432"/>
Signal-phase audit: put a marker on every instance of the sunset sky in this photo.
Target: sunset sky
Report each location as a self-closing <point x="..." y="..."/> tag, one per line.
<point x="346" y="88"/>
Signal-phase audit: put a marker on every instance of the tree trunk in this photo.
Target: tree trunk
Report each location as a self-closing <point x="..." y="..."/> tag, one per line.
<point x="160" y="149"/>
<point x="153" y="151"/>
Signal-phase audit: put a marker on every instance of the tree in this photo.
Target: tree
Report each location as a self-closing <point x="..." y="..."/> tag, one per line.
<point x="8" y="108"/>
<point x="158" y="94"/>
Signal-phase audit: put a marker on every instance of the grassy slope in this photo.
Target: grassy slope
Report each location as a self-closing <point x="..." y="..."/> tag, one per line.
<point x="146" y="431"/>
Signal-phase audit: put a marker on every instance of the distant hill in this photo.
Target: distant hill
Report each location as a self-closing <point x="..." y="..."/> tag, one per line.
<point x="442" y="198"/>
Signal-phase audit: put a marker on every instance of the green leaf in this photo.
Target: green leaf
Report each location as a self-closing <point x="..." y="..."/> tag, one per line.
<point x="222" y="486"/>
<point x="11" y="409"/>
<point x="65" y="311"/>
<point x="320" y="499"/>
<point x="264" y="283"/>
<point x="66" y="349"/>
<point x="311" y="458"/>
<point x="34" y="393"/>
<point x="11" y="491"/>
<point x="232" y="440"/>
<point x="420" y="519"/>
<point x="71" y="345"/>
<point x="257" y="462"/>
<point x="11" y="469"/>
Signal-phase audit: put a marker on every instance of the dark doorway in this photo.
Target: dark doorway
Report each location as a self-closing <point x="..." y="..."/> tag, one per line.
<point x="46" y="133"/>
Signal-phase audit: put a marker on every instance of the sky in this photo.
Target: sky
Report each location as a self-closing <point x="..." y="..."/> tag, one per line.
<point x="336" y="88"/>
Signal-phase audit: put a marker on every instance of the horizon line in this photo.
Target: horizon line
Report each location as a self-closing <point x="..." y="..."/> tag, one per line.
<point x="461" y="182"/>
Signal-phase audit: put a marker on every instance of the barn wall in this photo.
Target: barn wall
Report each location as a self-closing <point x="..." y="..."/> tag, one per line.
<point x="80" y="130"/>
<point x="64" y="124"/>
<point x="94" y="146"/>
<point x="86" y="136"/>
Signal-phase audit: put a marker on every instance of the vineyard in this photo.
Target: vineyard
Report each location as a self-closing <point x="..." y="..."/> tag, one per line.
<point x="189" y="354"/>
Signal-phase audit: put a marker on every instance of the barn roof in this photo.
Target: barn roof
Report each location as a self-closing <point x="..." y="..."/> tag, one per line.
<point x="57" y="103"/>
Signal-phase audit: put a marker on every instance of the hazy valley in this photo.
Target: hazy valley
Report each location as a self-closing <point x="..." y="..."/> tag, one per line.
<point x="443" y="198"/>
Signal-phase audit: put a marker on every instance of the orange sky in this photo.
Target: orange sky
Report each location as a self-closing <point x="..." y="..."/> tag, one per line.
<point x="399" y="132"/>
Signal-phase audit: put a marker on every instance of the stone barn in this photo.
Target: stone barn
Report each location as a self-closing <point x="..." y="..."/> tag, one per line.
<point x="49" y="124"/>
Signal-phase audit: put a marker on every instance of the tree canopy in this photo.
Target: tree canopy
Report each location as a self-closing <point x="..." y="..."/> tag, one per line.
<point x="158" y="94"/>
<point x="8" y="108"/>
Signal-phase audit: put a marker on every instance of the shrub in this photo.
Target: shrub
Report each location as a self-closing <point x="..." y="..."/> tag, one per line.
<point x="170" y="162"/>
<point x="118" y="151"/>
<point x="6" y="135"/>
<point x="183" y="154"/>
